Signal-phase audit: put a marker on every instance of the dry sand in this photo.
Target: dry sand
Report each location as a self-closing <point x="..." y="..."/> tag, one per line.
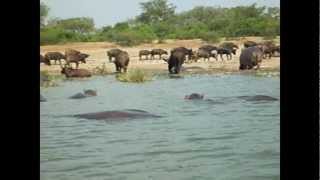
<point x="98" y="56"/>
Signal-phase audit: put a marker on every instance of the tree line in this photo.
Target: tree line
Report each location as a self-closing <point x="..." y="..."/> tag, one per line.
<point x="159" y="21"/>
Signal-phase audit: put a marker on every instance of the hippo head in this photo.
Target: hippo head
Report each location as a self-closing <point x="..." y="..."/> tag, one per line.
<point x="194" y="96"/>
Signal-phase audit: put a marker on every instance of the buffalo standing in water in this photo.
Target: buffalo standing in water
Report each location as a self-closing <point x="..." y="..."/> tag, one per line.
<point x="250" y="57"/>
<point x="175" y="62"/>
<point x="112" y="53"/>
<point x="122" y="61"/>
<point x="185" y="51"/>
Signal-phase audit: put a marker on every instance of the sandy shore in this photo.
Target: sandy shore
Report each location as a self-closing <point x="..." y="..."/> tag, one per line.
<point x="98" y="57"/>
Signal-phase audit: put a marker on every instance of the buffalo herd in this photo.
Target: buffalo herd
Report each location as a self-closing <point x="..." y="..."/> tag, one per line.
<point x="251" y="56"/>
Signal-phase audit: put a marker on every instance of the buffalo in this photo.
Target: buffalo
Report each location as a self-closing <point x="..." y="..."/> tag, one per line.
<point x="76" y="58"/>
<point x="122" y="61"/>
<point x="44" y="60"/>
<point x="112" y="53"/>
<point x="250" y="57"/>
<point x="229" y="45"/>
<point x="227" y="52"/>
<point x="175" y="61"/>
<point x="56" y="56"/>
<point x="144" y="53"/>
<point x="70" y="51"/>
<point x="70" y="72"/>
<point x="159" y="52"/>
<point x="202" y="53"/>
<point x="185" y="51"/>
<point x="208" y="48"/>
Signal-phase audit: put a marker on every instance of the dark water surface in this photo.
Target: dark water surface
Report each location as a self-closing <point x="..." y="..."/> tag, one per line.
<point x="227" y="138"/>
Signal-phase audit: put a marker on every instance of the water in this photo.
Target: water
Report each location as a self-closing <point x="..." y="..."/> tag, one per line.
<point x="231" y="140"/>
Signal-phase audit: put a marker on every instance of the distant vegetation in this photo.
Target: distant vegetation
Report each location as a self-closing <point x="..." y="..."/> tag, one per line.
<point x="159" y="21"/>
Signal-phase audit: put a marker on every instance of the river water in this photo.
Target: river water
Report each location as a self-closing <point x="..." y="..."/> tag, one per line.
<point x="225" y="139"/>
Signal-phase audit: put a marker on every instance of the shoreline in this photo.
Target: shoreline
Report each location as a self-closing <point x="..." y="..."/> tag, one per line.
<point x="98" y="58"/>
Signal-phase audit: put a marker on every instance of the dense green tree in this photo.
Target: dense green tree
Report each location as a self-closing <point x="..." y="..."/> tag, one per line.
<point x="155" y="11"/>
<point x="81" y="25"/>
<point x="44" y="11"/>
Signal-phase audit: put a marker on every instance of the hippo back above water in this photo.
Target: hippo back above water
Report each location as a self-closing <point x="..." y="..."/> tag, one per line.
<point x="117" y="115"/>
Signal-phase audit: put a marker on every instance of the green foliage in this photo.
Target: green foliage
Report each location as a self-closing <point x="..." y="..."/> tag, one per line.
<point x="158" y="21"/>
<point x="79" y="25"/>
<point x="49" y="80"/>
<point x="134" y="76"/>
<point x="44" y="10"/>
<point x="101" y="70"/>
<point x="155" y="11"/>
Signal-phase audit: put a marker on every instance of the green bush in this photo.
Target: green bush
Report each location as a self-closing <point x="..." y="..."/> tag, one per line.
<point x="101" y="70"/>
<point x="49" y="80"/>
<point x="158" y="21"/>
<point x="134" y="76"/>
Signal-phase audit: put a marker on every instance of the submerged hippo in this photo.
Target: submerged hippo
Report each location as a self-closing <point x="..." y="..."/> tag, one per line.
<point x="258" y="98"/>
<point x="113" y="115"/>
<point x="194" y="96"/>
<point x="42" y="99"/>
<point x="86" y="93"/>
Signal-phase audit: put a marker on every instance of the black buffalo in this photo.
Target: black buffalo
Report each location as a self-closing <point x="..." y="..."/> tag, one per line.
<point x="175" y="61"/>
<point x="112" y="53"/>
<point x="159" y="52"/>
<point x="44" y="60"/>
<point x="250" y="57"/>
<point x="76" y="58"/>
<point x="227" y="52"/>
<point x="56" y="56"/>
<point x="144" y="53"/>
<point x="80" y="73"/>
<point x="122" y="61"/>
